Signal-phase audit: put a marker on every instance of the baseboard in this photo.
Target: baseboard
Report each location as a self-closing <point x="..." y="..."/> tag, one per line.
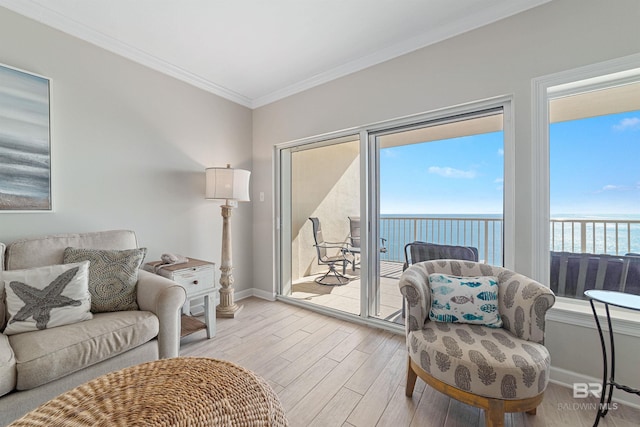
<point x="197" y="308"/>
<point x="269" y="296"/>
<point x="253" y="292"/>
<point x="567" y="378"/>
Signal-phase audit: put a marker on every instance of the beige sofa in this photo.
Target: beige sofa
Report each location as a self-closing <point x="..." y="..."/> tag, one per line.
<point x="37" y="366"/>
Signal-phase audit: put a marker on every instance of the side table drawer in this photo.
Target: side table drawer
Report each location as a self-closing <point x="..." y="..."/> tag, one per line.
<point x="195" y="280"/>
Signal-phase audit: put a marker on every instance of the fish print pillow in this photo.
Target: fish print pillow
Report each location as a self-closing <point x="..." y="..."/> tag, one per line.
<point x="464" y="300"/>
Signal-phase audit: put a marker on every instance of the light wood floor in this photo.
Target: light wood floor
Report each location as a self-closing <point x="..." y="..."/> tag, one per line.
<point x="329" y="372"/>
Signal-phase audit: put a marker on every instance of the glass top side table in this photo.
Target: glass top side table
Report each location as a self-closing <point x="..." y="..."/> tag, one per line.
<point x="617" y="299"/>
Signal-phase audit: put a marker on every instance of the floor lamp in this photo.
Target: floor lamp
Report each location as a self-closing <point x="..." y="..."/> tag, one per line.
<point x="232" y="186"/>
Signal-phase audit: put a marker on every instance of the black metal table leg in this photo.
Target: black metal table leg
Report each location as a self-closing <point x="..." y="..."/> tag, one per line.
<point x="604" y="364"/>
<point x="612" y="380"/>
<point x="616" y="299"/>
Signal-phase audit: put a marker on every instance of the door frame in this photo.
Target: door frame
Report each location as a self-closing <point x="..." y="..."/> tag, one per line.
<point x="369" y="199"/>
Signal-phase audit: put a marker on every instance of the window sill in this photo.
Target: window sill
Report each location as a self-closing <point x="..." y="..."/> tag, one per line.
<point x="579" y="313"/>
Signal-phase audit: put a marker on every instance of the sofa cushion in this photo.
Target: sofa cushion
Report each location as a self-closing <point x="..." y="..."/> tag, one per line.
<point x="481" y="360"/>
<point x="46" y="297"/>
<point x="46" y="355"/>
<point x="7" y="366"/>
<point x="112" y="276"/>
<point x="49" y="250"/>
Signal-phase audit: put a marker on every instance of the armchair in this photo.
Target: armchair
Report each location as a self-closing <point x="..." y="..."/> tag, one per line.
<point x="497" y="369"/>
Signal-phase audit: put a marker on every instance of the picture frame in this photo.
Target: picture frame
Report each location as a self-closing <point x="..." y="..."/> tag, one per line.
<point x="25" y="141"/>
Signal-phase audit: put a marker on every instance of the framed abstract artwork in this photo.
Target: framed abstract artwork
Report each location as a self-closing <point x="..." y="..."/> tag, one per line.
<point x="25" y="141"/>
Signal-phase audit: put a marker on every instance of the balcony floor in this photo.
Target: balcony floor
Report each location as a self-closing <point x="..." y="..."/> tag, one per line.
<point x="347" y="297"/>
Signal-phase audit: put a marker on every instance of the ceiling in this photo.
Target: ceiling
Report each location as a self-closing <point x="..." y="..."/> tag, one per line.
<point x="255" y="52"/>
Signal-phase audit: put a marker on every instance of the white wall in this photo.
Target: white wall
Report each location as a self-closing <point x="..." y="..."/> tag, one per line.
<point x="325" y="184"/>
<point x="499" y="59"/>
<point x="129" y="148"/>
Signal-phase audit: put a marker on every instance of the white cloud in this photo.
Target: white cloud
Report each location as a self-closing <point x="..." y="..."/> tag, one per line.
<point x="500" y="151"/>
<point x="498" y="180"/>
<point x="632" y="123"/>
<point x="611" y="187"/>
<point x="390" y="152"/>
<point x="448" y="172"/>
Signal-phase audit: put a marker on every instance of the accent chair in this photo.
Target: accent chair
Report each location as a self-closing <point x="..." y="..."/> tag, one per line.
<point x="499" y="369"/>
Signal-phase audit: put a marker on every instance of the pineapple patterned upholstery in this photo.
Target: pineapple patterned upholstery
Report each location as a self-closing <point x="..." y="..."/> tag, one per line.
<point x="504" y="363"/>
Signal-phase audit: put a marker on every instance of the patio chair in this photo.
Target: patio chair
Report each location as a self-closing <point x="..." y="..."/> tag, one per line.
<point x="499" y="368"/>
<point x="574" y="273"/>
<point x="354" y="240"/>
<point x="422" y="251"/>
<point x="342" y="257"/>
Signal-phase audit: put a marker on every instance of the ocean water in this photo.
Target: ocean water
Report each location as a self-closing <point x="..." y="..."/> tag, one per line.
<point x="612" y="234"/>
<point x="482" y="231"/>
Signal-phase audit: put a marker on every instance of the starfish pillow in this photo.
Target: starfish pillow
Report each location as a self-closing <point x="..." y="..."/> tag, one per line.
<point x="45" y="297"/>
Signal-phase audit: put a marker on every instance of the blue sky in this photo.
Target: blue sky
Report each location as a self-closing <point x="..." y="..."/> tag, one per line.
<point x="461" y="175"/>
<point x="595" y="169"/>
<point x="595" y="165"/>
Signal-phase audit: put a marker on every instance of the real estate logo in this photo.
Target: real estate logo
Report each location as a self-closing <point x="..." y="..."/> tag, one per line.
<point x="585" y="391"/>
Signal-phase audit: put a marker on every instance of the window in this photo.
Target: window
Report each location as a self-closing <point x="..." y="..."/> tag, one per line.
<point x="589" y="138"/>
<point x="595" y="191"/>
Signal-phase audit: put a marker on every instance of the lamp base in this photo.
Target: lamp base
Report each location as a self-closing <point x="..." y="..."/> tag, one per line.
<point x="228" y="312"/>
<point x="227" y="307"/>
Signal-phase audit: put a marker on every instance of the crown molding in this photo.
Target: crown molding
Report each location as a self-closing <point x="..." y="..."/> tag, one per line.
<point x="60" y="22"/>
<point x="49" y="17"/>
<point x="485" y="17"/>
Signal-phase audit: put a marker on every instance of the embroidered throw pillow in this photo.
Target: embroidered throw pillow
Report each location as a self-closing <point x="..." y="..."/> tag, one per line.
<point x="113" y="276"/>
<point x="45" y="297"/>
<point x="464" y="300"/>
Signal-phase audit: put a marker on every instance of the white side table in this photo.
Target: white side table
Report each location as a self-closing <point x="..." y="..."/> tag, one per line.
<point x="197" y="279"/>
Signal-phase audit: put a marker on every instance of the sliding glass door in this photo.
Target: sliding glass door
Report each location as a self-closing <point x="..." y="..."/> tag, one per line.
<point x="348" y="204"/>
<point x="320" y="202"/>
<point x="439" y="182"/>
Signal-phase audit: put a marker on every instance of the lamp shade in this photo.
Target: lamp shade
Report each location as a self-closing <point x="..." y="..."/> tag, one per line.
<point x="227" y="184"/>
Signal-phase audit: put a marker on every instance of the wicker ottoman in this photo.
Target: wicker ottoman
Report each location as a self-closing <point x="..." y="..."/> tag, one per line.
<point x="169" y="392"/>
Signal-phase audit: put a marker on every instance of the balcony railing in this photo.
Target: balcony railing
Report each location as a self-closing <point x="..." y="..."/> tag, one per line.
<point x="596" y="236"/>
<point x="483" y="233"/>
